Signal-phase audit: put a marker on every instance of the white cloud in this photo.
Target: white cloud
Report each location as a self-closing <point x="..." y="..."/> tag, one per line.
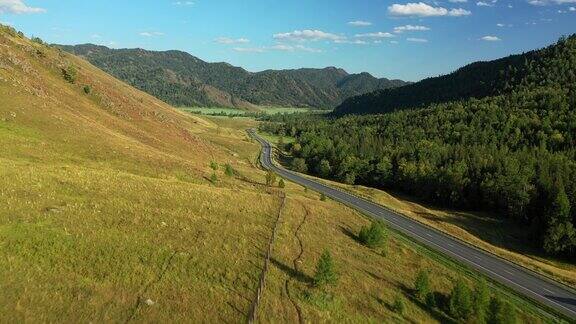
<point x="6" y="23"/>
<point x="18" y="7"/>
<point x="374" y="35"/>
<point x="355" y="42"/>
<point x="500" y="25"/>
<point x="417" y="40"/>
<point x="95" y="36"/>
<point x="290" y="48"/>
<point x="422" y="9"/>
<point x="484" y="4"/>
<point x="227" y="40"/>
<point x="360" y="23"/>
<point x="491" y="38"/>
<point x="401" y="29"/>
<point x="393" y="42"/>
<point x="549" y="2"/>
<point x="571" y="9"/>
<point x="458" y="1"/>
<point x="151" y="34"/>
<point x="184" y="3"/>
<point x="249" y="49"/>
<point x="307" y="35"/>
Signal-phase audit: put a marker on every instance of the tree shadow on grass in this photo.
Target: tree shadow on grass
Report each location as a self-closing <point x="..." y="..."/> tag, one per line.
<point x="297" y="275"/>
<point x="436" y="312"/>
<point x="346" y="231"/>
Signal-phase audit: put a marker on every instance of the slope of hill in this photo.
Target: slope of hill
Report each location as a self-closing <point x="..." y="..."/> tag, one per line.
<point x="476" y="80"/>
<point x="184" y="80"/>
<point x="111" y="212"/>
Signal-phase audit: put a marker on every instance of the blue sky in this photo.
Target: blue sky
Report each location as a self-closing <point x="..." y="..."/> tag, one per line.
<point x="408" y="40"/>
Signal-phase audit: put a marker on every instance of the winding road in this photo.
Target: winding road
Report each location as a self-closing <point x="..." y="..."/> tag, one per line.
<point x="521" y="280"/>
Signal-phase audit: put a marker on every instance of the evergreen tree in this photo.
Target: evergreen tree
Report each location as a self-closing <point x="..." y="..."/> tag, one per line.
<point x="325" y="271"/>
<point x="373" y="236"/>
<point x="422" y="285"/>
<point x="461" y="301"/>
<point x="228" y="170"/>
<point x="281" y="184"/>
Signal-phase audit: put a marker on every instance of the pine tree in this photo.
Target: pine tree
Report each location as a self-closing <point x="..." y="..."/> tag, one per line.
<point x="422" y="285"/>
<point x="228" y="170"/>
<point x="461" y="301"/>
<point x="281" y="184"/>
<point x="325" y="271"/>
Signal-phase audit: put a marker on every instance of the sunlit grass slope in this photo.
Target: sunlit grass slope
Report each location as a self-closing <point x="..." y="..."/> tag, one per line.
<point x="106" y="212"/>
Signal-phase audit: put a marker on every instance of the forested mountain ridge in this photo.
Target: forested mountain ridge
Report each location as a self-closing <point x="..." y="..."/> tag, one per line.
<point x="513" y="154"/>
<point x="184" y="80"/>
<point x="476" y="80"/>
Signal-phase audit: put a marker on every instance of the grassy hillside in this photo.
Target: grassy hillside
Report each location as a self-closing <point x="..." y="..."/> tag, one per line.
<point x="111" y="212"/>
<point x="184" y="80"/>
<point x="477" y="80"/>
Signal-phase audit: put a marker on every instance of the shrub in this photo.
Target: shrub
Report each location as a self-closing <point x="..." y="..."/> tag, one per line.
<point x="373" y="236"/>
<point x="281" y="184"/>
<point x="399" y="305"/>
<point x="70" y="74"/>
<point x="87" y="89"/>
<point x="325" y="271"/>
<point x="501" y="312"/>
<point x="422" y="285"/>
<point x="460" y="303"/>
<point x="299" y="165"/>
<point x="481" y="301"/>
<point x="322" y="197"/>
<point x="214" y="166"/>
<point x="37" y="40"/>
<point x="270" y="178"/>
<point x="214" y="178"/>
<point x="228" y="170"/>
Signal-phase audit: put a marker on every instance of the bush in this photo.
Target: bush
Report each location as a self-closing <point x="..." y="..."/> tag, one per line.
<point x="214" y="178"/>
<point x="373" y="236"/>
<point x="460" y="303"/>
<point x="399" y="305"/>
<point x="214" y="166"/>
<point x="228" y="170"/>
<point x="422" y="285"/>
<point x="481" y="301"/>
<point x="281" y="184"/>
<point x="70" y="74"/>
<point x="270" y="178"/>
<point x="87" y="89"/>
<point x="322" y="197"/>
<point x="501" y="312"/>
<point x="325" y="271"/>
<point x="299" y="165"/>
<point x="37" y="40"/>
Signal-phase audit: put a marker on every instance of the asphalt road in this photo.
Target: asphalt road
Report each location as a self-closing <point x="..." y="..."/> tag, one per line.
<point x="523" y="281"/>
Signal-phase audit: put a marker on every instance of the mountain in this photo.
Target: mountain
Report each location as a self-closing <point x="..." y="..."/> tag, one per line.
<point x="476" y="80"/>
<point x="181" y="79"/>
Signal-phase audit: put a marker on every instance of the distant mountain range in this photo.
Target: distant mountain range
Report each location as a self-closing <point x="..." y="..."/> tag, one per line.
<point x="476" y="80"/>
<point x="181" y="79"/>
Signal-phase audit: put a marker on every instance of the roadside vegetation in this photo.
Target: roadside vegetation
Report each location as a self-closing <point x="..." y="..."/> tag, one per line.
<point x="511" y="155"/>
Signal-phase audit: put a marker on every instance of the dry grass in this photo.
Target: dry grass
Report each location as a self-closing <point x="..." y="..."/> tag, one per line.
<point x="494" y="235"/>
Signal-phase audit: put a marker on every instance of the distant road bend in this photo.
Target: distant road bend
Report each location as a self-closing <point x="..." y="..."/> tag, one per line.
<point x="523" y="281"/>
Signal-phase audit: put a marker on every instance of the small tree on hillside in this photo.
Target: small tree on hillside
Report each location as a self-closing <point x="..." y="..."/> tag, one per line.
<point x="373" y="236"/>
<point x="228" y="170"/>
<point x="481" y="301"/>
<point x="282" y="184"/>
<point x="501" y="312"/>
<point x="214" y="166"/>
<point x="299" y="165"/>
<point x="214" y="178"/>
<point x="322" y="197"/>
<point x="325" y="271"/>
<point x="461" y="301"/>
<point x="270" y="178"/>
<point x="87" y="89"/>
<point x="70" y="74"/>
<point x="422" y="285"/>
